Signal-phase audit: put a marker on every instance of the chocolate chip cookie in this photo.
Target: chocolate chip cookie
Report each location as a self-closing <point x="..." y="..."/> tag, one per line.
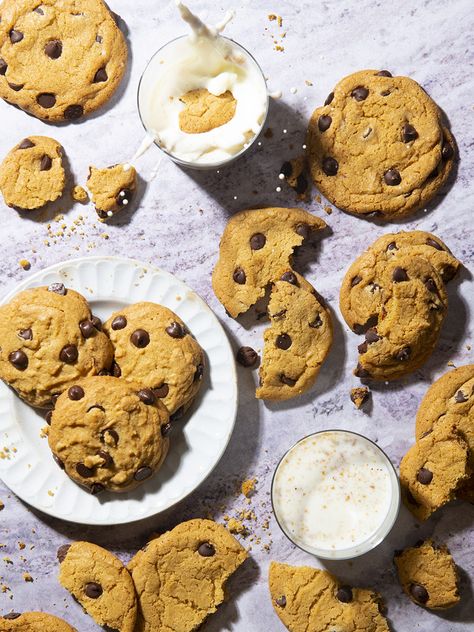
<point x="33" y="622"/>
<point x="180" y="576"/>
<point x="59" y="60"/>
<point x="297" y="342"/>
<point x="378" y="147"/>
<point x="50" y="339"/>
<point x="307" y="598"/>
<point x="32" y="173"/>
<point x="154" y="347"/>
<point x="428" y="575"/>
<point x="112" y="189"/>
<point x="100" y="583"/>
<point x="204" y="111"/>
<point x="109" y="434"/>
<point x="395" y="295"/>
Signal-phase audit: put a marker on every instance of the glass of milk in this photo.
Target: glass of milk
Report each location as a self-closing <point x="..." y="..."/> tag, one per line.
<point x="336" y="494"/>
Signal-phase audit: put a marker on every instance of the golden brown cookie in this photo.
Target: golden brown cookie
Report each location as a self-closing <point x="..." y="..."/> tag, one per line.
<point x="33" y="622"/>
<point x="112" y="189"/>
<point x="205" y="111"/>
<point x="107" y="433"/>
<point x="32" y="173"/>
<point x="377" y="146"/>
<point x="180" y="576"/>
<point x="59" y="60"/>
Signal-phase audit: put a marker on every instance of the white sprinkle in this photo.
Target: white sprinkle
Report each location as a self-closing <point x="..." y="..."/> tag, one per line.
<point x="281" y="176"/>
<point x="259" y="143"/>
<point x="218" y="171"/>
<point x="122" y="193"/>
<point x="284" y="131"/>
<point x="278" y="189"/>
<point x="110" y="214"/>
<point x="293" y="90"/>
<point x="304" y="146"/>
<point x="125" y="202"/>
<point x="235" y="197"/>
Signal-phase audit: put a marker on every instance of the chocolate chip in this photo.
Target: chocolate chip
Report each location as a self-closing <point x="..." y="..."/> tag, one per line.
<point x="372" y="336"/>
<point x="100" y="76"/>
<point x="12" y="615"/>
<point x="108" y="460"/>
<point x="75" y="393"/>
<point x="301" y="184"/>
<point x="140" y="338"/>
<point x="69" y="354"/>
<point x="281" y="601"/>
<point x="26" y="334"/>
<point x="46" y="163"/>
<point x="247" y="357"/>
<point x="289" y="277"/>
<point x="93" y="590"/>
<point x="206" y="549"/>
<point x="399" y="275"/>
<point x="303" y="230"/>
<point x="324" y="122"/>
<point x="330" y="166"/>
<point x="109" y="432"/>
<point x="419" y="593"/>
<point x="96" y="407"/>
<point x="392" y="246"/>
<point x="289" y="381"/>
<point x="143" y="473"/>
<point x="147" y="396"/>
<point x="361" y="372"/>
<point x="362" y="348"/>
<point x="119" y="322"/>
<point x="392" y="177"/>
<point x="329" y="98"/>
<point x="257" y="241"/>
<point x="177" y="414"/>
<point x="239" y="276"/>
<point x="19" y="359"/>
<point x="53" y="49"/>
<point x="116" y="370"/>
<point x="165" y="430"/>
<point x="16" y="86"/>
<point x="87" y="328"/>
<point x="96" y="322"/>
<point x="430" y="285"/>
<point x="360" y="93"/>
<point x="424" y="476"/>
<point x="98" y="39"/>
<point x="433" y="244"/>
<point x="447" y="151"/>
<point x="49" y="417"/>
<point x="385" y="93"/>
<point x="356" y="280"/>
<point x="46" y="100"/>
<point x="3" y="66"/>
<point x="317" y="322"/>
<point x="73" y="112"/>
<point x="161" y="391"/>
<point x="175" y="330"/>
<point x="383" y="73"/>
<point x="96" y="488"/>
<point x="16" y="36"/>
<point x="344" y="594"/>
<point x="460" y="398"/>
<point x="409" y="133"/>
<point x="283" y="341"/>
<point x="84" y="471"/>
<point x="404" y="354"/>
<point x="57" y="288"/>
<point x="39" y="10"/>
<point x="26" y="144"/>
<point x="286" y="169"/>
<point x="62" y="552"/>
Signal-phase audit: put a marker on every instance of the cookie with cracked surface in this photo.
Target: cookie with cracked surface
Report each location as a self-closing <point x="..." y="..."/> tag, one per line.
<point x="100" y="583"/>
<point x="50" y="339"/>
<point x="59" y="61"/>
<point x="395" y="294"/>
<point x="297" y="343"/>
<point x="204" y="111"/>
<point x="32" y="173"/>
<point x="33" y="622"/>
<point x="432" y="471"/>
<point x="428" y="575"/>
<point x="112" y="189"/>
<point x="180" y="576"/>
<point x="154" y="347"/>
<point x="109" y="434"/>
<point x="255" y="250"/>
<point x="307" y="598"/>
<point x="378" y="146"/>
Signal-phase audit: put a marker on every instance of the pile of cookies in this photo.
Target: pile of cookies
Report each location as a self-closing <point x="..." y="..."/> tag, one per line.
<point x="105" y="432"/>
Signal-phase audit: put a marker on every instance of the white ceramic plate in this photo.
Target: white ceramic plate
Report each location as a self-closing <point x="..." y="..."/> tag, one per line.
<point x="110" y="283"/>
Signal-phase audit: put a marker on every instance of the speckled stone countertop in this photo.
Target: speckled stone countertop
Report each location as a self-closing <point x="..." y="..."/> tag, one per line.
<point x="177" y="226"/>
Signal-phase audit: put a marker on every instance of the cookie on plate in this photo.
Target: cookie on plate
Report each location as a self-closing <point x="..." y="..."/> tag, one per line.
<point x="109" y="434"/>
<point x="298" y="341"/>
<point x="100" y="583"/>
<point x="32" y="174"/>
<point x="255" y="250"/>
<point x="112" y="189"/>
<point x="378" y="147"/>
<point x="395" y="294"/>
<point x="204" y="111"/>
<point x="428" y="575"/>
<point x="307" y="598"/>
<point x="180" y="576"/>
<point x="154" y="347"/>
<point x="50" y="340"/>
<point x="59" y="60"/>
<point x="33" y="622"/>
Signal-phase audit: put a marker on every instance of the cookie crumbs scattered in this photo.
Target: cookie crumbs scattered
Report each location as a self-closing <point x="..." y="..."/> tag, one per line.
<point x="79" y="194"/>
<point x="25" y="264"/>
<point x="248" y="487"/>
<point x="328" y="210"/>
<point x="8" y="560"/>
<point x="451" y="363"/>
<point x="318" y="199"/>
<point x="2" y="506"/>
<point x="27" y="577"/>
<point x="236" y="526"/>
<point x="50" y="493"/>
<point x="104" y="236"/>
<point x="21" y="546"/>
<point x="279" y="49"/>
<point x="272" y="17"/>
<point x="4" y="588"/>
<point x="308" y="82"/>
<point x="359" y="396"/>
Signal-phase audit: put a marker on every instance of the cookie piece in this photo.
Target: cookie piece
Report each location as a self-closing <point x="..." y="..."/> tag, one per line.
<point x="154" y="347"/>
<point x="180" y="576"/>
<point x="204" y="111"/>
<point x="109" y="434"/>
<point x="432" y="471"/>
<point x="32" y="174"/>
<point x="33" y="622"/>
<point x="395" y="294"/>
<point x="50" y="339"/>
<point x="298" y="341"/>
<point x="255" y="250"/>
<point x="79" y="194"/>
<point x="112" y="189"/>
<point x="428" y="575"/>
<point x="359" y="396"/>
<point x="59" y="61"/>
<point x="100" y="583"/>
<point x="378" y="146"/>
<point x="306" y="598"/>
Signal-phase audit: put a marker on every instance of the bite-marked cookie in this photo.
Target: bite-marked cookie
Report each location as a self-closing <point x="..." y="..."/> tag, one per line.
<point x="59" y="60"/>
<point x="204" y="111"/>
<point x="255" y="250"/>
<point x="32" y="173"/>
<point x="109" y="434"/>
<point x="100" y="583"/>
<point x="297" y="342"/>
<point x="432" y="471"/>
<point x="306" y="599"/>
<point x="377" y="146"/>
<point x="112" y="189"/>
<point x="33" y="622"/>
<point x="428" y="575"/>
<point x="394" y="293"/>
<point x="154" y="347"/>
<point x="50" y="339"/>
<point x="180" y="576"/>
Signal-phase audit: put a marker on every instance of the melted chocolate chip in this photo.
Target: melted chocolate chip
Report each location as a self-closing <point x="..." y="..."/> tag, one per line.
<point x="54" y="49"/>
<point x="26" y="334"/>
<point x="16" y="36"/>
<point x="286" y="169"/>
<point x="12" y="615"/>
<point x="361" y="372"/>
<point x="175" y="330"/>
<point x="404" y="354"/>
<point x="329" y="98"/>
<point x="372" y="336"/>
<point x="84" y="471"/>
<point x="344" y="594"/>
<point x="16" y="86"/>
<point x="392" y="177"/>
<point x="392" y="246"/>
<point x="383" y="73"/>
<point x="116" y="370"/>
<point x="324" y="122"/>
<point x="424" y="476"/>
<point x="161" y="391"/>
<point x="119" y="322"/>
<point x="239" y="276"/>
<point x="73" y="112"/>
<point x="69" y="354"/>
<point x="96" y="322"/>
<point x="362" y="348"/>
<point x="62" y="552"/>
<point x="419" y="593"/>
<point x="360" y="93"/>
<point x="206" y="549"/>
<point x="433" y="244"/>
<point x="140" y="338"/>
<point x="289" y="277"/>
<point x="46" y="100"/>
<point x="317" y="322"/>
<point x="289" y="381"/>
<point x="330" y="166"/>
<point x="57" y="288"/>
<point x="3" y="66"/>
<point x="460" y="398"/>
<point x="399" y="275"/>
<point x="46" y="163"/>
<point x="26" y="144"/>
<point x="109" y="432"/>
<point x="87" y="328"/>
<point x="281" y="601"/>
<point x="147" y="396"/>
<point x="108" y="460"/>
<point x="257" y="241"/>
<point x="409" y="133"/>
<point x="143" y="473"/>
<point x="356" y="280"/>
<point x="247" y="357"/>
<point x="283" y="342"/>
<point x="93" y="590"/>
<point x="19" y="359"/>
<point x="75" y="393"/>
<point x="100" y="76"/>
<point x="98" y="39"/>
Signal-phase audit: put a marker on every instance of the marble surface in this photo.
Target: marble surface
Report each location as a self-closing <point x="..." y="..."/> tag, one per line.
<point x="177" y="226"/>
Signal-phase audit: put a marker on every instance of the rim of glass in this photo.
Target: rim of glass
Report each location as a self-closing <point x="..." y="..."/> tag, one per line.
<point x="372" y="541"/>
<point x="206" y="165"/>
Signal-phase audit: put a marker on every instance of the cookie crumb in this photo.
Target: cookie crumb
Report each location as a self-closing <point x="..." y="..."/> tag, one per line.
<point x="235" y="526"/>
<point x="451" y="363"/>
<point x="2" y="506"/>
<point x="21" y="546"/>
<point x="79" y="194"/>
<point x="248" y="487"/>
<point x="328" y="210"/>
<point x="27" y="577"/>
<point x="359" y="396"/>
<point x="308" y="82"/>
<point x="273" y="17"/>
<point x="25" y="264"/>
